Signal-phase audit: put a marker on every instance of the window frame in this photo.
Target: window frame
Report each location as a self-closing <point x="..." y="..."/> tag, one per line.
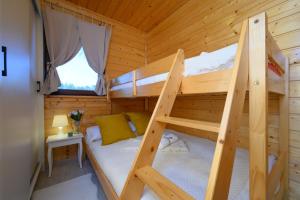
<point x="74" y="92"/>
<point x="66" y="92"/>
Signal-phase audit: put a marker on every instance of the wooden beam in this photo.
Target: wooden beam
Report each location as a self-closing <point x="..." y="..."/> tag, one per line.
<point x="276" y="84"/>
<point x="212" y="82"/>
<point x="222" y="165"/>
<point x="163" y="187"/>
<point x="146" y="104"/>
<point x="274" y="53"/>
<point x="108" y="90"/>
<point x="105" y="183"/>
<point x="275" y="176"/>
<point x="196" y="124"/>
<point x="284" y="130"/>
<point x="258" y="103"/>
<point x="157" y="67"/>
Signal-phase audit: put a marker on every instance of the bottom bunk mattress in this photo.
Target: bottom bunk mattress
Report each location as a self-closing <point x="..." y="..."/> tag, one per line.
<point x="187" y="169"/>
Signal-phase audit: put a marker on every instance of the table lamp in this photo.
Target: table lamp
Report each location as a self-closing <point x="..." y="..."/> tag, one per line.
<point x="60" y="121"/>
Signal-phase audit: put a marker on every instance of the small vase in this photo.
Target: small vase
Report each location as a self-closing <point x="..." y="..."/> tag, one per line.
<point x="76" y="126"/>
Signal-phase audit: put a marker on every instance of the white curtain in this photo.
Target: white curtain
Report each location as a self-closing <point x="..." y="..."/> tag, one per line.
<point x="95" y="42"/>
<point x="63" y="43"/>
<point x="64" y="36"/>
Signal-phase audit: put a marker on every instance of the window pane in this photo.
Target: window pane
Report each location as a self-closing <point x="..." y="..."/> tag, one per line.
<point x="77" y="74"/>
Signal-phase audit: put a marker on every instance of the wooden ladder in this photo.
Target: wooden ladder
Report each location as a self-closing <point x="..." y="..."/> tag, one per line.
<point x="220" y="175"/>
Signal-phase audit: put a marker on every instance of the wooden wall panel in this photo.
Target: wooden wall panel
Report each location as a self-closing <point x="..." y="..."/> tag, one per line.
<point x="127" y="51"/>
<point x="208" y="25"/>
<point x="93" y="106"/>
<point x="133" y="105"/>
<point x="55" y="105"/>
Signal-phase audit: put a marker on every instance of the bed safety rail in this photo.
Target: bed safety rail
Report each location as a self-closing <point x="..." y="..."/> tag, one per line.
<point x="125" y="86"/>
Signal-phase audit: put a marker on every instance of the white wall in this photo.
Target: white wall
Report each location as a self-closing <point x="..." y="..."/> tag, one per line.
<point x="21" y="108"/>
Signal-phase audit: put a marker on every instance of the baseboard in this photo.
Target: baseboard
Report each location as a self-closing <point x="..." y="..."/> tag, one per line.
<point x="34" y="179"/>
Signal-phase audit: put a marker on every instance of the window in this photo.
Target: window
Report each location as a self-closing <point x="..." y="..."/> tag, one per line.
<point x="77" y="74"/>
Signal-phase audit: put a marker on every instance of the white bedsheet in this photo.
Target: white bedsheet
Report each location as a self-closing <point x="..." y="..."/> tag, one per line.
<point x="189" y="170"/>
<point x="203" y="63"/>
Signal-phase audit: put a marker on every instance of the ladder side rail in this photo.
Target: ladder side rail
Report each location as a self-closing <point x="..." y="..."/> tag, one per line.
<point x="222" y="165"/>
<point x="258" y="107"/>
<point x="134" y="187"/>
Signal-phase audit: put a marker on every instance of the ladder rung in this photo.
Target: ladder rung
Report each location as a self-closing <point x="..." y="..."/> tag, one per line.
<point x="163" y="187"/>
<point x="201" y="125"/>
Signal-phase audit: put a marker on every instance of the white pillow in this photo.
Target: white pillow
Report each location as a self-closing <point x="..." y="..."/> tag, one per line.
<point x="93" y="133"/>
<point x="132" y="127"/>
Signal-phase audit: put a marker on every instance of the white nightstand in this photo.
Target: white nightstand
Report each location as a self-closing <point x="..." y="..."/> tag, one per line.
<point x="63" y="140"/>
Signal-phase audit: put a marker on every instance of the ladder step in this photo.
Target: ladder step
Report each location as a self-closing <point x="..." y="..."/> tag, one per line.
<point x="201" y="125"/>
<point x="163" y="187"/>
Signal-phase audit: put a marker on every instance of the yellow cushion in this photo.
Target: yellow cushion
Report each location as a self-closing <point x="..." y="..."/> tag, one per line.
<point x="140" y="121"/>
<point x="114" y="128"/>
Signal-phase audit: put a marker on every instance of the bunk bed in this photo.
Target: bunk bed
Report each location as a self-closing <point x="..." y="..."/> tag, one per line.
<point x="258" y="67"/>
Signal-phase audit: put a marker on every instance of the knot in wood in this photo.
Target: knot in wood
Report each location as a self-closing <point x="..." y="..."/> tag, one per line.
<point x="152" y="149"/>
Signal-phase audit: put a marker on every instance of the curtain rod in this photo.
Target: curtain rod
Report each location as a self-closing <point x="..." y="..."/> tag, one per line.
<point x="57" y="6"/>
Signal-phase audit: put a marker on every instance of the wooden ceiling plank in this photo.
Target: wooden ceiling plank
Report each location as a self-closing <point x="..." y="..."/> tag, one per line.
<point x="102" y="6"/>
<point x="142" y="10"/>
<point x="133" y="7"/>
<point x="108" y="7"/>
<point x="152" y="18"/>
<point x="92" y="5"/>
<point x="202" y="25"/>
<point x="114" y="5"/>
<point x="193" y="7"/>
<point x="83" y="3"/>
<point x="120" y="10"/>
<point x="146" y="11"/>
<point x="141" y="14"/>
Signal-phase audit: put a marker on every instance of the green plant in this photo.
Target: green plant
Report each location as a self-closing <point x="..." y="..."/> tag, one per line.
<point x="76" y="115"/>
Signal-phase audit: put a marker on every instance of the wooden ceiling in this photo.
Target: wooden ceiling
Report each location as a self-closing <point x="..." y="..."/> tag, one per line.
<point x="142" y="14"/>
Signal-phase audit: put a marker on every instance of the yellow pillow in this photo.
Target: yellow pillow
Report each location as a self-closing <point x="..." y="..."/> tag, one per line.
<point x="140" y="121"/>
<point x="114" y="128"/>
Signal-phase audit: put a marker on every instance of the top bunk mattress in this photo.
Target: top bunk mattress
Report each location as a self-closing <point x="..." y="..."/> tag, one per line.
<point x="203" y="63"/>
<point x="189" y="170"/>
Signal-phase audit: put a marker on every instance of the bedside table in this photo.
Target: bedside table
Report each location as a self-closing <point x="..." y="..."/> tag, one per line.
<point x="63" y="140"/>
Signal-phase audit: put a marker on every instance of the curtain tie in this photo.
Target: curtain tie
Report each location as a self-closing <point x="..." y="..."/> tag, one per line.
<point x="100" y="76"/>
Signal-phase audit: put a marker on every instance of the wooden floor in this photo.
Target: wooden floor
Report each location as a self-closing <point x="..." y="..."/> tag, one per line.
<point x="65" y="170"/>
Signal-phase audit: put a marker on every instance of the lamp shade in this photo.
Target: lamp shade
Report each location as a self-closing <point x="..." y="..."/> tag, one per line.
<point x="60" y="121"/>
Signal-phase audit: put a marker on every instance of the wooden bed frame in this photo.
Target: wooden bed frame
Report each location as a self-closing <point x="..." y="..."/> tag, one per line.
<point x="106" y="185"/>
<point x="262" y="54"/>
